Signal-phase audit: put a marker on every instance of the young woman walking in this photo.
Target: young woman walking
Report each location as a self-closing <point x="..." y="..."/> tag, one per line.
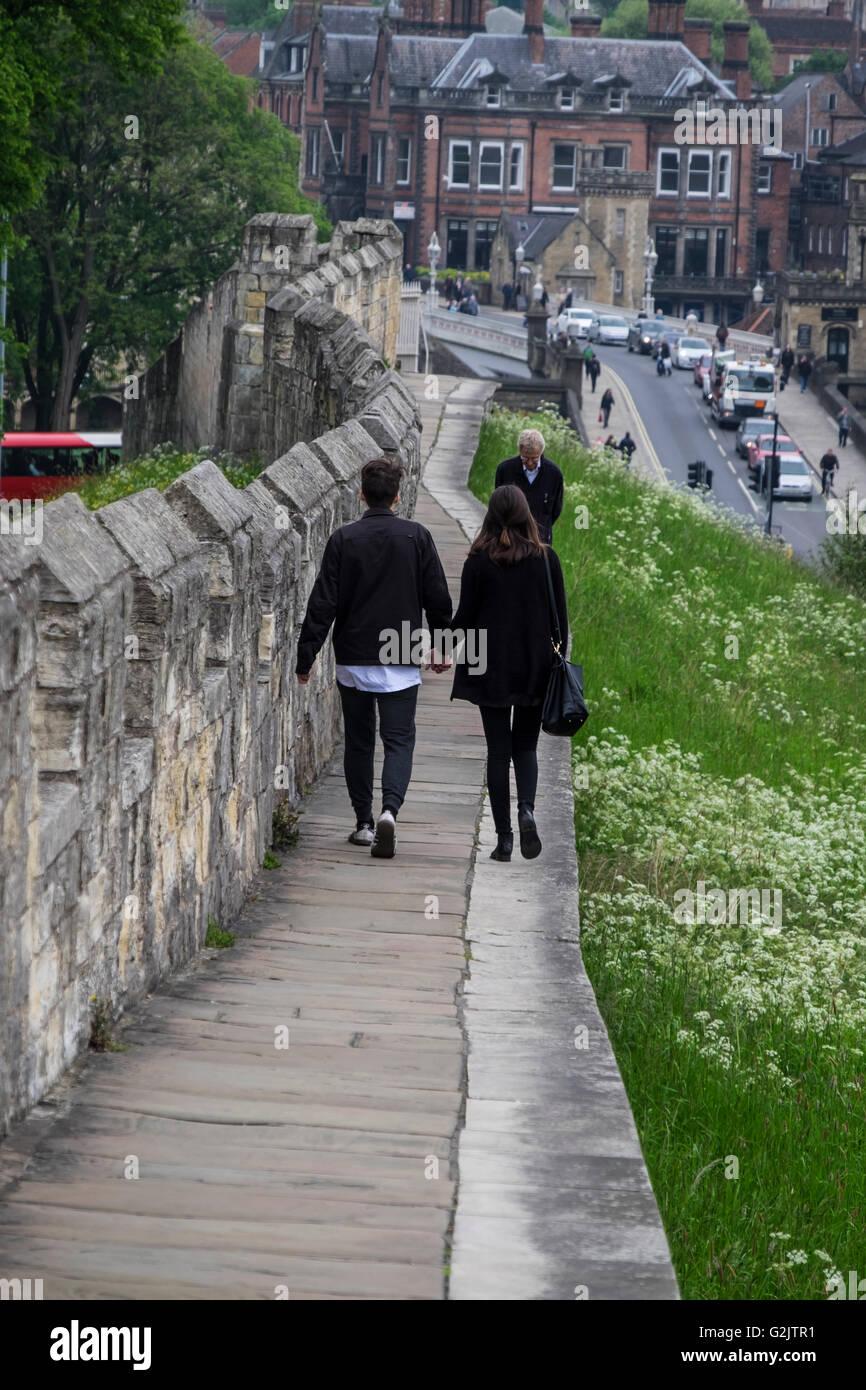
<point x="504" y="595"/>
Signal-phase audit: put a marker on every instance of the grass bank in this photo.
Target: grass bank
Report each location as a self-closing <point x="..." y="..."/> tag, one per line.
<point x="725" y="748"/>
<point x="158" y="470"/>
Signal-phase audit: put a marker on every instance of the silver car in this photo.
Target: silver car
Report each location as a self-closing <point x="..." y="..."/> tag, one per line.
<point x="609" y="328"/>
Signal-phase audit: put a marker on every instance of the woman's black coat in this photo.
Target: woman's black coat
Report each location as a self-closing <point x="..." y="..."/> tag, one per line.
<point x="511" y="604"/>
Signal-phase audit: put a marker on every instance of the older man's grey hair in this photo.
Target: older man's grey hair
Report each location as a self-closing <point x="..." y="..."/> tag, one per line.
<point x="531" y="439"/>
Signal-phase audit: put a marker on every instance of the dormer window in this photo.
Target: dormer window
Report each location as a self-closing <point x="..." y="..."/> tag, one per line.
<point x="616" y="101"/>
<point x="566" y="98"/>
<point x="295" y="56"/>
<point x="494" y="96"/>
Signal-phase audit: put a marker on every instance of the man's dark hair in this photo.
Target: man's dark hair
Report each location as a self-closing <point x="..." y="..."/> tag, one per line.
<point x="380" y="481"/>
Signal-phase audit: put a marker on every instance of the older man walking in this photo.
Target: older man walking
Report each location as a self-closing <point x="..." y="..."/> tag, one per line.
<point x="538" y="478"/>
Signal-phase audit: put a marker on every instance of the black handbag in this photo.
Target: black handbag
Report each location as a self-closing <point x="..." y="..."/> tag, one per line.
<point x="563" y="711"/>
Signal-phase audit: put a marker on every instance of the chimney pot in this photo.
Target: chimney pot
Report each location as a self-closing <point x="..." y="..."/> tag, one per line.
<point x="735" y="67"/>
<point x="533" y="28"/>
<point x="698" y="38"/>
<point x="585" y="25"/>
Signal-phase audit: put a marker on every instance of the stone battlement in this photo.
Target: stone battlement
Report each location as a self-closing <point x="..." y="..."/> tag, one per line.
<point x="149" y="713"/>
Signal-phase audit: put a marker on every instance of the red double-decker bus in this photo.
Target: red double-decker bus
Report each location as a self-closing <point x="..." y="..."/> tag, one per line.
<point x="34" y="465"/>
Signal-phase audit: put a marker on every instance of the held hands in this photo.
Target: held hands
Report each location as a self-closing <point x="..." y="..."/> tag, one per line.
<point x="302" y="680"/>
<point x="437" y="663"/>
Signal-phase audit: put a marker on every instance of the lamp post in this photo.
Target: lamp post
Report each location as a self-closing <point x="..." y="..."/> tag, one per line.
<point x="758" y="294"/>
<point x="519" y="258"/>
<point x="434" y="251"/>
<point x="773" y="464"/>
<point x="650" y="260"/>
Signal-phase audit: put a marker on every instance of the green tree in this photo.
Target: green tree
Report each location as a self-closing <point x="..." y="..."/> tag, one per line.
<point x="629" y="21"/>
<point x="822" y="60"/>
<point x="253" y="14"/>
<point x="842" y="557"/>
<point x="136" y="221"/>
<point x="131" y="36"/>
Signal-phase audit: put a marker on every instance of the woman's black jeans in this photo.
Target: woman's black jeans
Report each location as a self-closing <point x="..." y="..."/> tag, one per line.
<point x="511" y="742"/>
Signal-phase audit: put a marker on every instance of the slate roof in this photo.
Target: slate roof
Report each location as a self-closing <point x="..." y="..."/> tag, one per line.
<point x="652" y="68"/>
<point x="791" y="96"/>
<point x="849" y="152"/>
<point x="349" y="58"/>
<point x="352" y="19"/>
<point x="535" y="229"/>
<point x="804" y="26"/>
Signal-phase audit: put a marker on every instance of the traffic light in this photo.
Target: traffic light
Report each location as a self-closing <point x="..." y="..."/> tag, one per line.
<point x="708" y="476"/>
<point x="696" y="473"/>
<point x="776" y="470"/>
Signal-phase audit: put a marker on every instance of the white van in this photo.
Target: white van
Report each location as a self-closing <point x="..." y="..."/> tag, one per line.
<point x="744" y="388"/>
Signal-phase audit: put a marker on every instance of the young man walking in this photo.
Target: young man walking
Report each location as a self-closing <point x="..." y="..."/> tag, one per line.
<point x="380" y="575"/>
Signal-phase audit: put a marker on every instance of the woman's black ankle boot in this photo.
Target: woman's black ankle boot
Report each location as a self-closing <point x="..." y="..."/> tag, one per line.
<point x="504" y="846"/>
<point x="530" y="844"/>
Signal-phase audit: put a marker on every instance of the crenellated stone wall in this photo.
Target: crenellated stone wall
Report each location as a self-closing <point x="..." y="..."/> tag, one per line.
<point x="149" y="713"/>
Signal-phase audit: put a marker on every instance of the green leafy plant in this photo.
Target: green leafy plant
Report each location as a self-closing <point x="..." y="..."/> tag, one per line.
<point x="284" y="826"/>
<point x="271" y="861"/>
<point x="101" y="1038"/>
<point x="217" y="937"/>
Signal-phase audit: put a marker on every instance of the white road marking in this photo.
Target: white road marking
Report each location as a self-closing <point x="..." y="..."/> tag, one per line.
<point x="751" y="501"/>
<point x="731" y="466"/>
<point x="712" y="434"/>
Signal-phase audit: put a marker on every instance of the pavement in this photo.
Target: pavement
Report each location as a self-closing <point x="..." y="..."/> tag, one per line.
<point x="396" y="1085"/>
<point x="814" y="430"/>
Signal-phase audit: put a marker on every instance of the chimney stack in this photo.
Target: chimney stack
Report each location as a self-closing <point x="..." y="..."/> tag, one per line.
<point x="666" y="20"/>
<point x="533" y="28"/>
<point x="735" y="67"/>
<point x="698" y="38"/>
<point x="585" y="25"/>
<point x="303" y="16"/>
<point x="836" y="9"/>
<point x="676" y="20"/>
<point x="756" y="7"/>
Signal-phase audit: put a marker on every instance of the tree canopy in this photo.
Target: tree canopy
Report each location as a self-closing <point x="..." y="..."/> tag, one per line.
<point x="629" y="21"/>
<point x="148" y="184"/>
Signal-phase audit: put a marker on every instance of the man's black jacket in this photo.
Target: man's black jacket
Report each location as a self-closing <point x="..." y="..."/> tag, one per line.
<point x="544" y="495"/>
<point x="377" y="573"/>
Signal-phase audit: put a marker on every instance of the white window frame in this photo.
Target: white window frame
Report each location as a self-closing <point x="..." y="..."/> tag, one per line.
<point x="494" y="96"/>
<point x="765" y="167"/>
<point x="667" y="192"/>
<point x="617" y="282"/>
<point x="829" y="241"/>
<point x="561" y="187"/>
<point x="566" y="98"/>
<point x="821" y="239"/>
<point x="516" y="185"/>
<point x="408" y="178"/>
<point x="499" y="146"/>
<point x="616" y="99"/>
<point x="811" y="238"/>
<point x="462" y="145"/>
<point x="313" y="144"/>
<point x="819" y="136"/>
<point x="379" y="159"/>
<point x="623" y="148"/>
<point x="700" y="193"/>
<point x="798" y="160"/>
<point x="620" y="223"/>
<point x="723" y="164"/>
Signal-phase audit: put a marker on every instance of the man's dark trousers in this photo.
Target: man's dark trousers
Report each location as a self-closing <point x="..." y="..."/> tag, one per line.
<point x="397" y="729"/>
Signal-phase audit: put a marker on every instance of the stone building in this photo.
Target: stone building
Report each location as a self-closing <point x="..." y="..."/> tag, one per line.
<point x="432" y="119"/>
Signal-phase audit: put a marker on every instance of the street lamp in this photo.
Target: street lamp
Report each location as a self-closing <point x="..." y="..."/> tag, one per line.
<point x="758" y="294"/>
<point x="538" y="288"/>
<point x="519" y="258"/>
<point x="434" y="250"/>
<point x="650" y="260"/>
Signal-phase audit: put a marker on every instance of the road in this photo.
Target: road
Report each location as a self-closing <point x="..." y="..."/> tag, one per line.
<point x="681" y="430"/>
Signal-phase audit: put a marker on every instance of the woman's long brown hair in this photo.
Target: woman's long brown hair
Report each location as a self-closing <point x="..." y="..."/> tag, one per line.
<point x="508" y="532"/>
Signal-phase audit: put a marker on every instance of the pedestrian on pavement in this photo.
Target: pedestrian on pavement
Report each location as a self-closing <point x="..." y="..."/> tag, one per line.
<point x="607" y="403"/>
<point x="569" y="299"/>
<point x="545" y="298"/>
<point x="627" y="447"/>
<point x="593" y="367"/>
<point x="472" y="304"/>
<point x="844" y="426"/>
<point x="408" y="274"/>
<point x="829" y="465"/>
<point x="804" y="371"/>
<point x="588" y="355"/>
<point x="722" y="336"/>
<point x="539" y="480"/>
<point x="610" y="442"/>
<point x="378" y="574"/>
<point x="504" y="592"/>
<point x="507" y="292"/>
<point x="786" y="362"/>
<point x="448" y="289"/>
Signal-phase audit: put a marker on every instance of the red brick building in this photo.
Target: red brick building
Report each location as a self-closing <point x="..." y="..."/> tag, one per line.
<point x="795" y="34"/>
<point x="426" y="117"/>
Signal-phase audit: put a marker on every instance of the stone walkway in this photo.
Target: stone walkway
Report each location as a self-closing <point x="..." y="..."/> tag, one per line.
<point x="210" y="1162"/>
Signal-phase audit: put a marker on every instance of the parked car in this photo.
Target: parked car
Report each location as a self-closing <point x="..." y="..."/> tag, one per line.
<point x="643" y="335"/>
<point x="702" y="367"/>
<point x="795" y="478"/>
<point x="762" y="445"/>
<point x="750" y="429"/>
<point x="688" y="350"/>
<point x="609" y="328"/>
<point x="580" y="322"/>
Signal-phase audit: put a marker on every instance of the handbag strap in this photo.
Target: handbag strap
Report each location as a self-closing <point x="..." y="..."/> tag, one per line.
<point x="553" y="613"/>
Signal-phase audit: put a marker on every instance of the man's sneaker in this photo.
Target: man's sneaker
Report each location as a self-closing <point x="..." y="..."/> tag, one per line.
<point x="362" y="834"/>
<point x="385" y="843"/>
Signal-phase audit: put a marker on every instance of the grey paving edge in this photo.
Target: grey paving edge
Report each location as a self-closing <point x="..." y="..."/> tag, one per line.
<point x="554" y="1200"/>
